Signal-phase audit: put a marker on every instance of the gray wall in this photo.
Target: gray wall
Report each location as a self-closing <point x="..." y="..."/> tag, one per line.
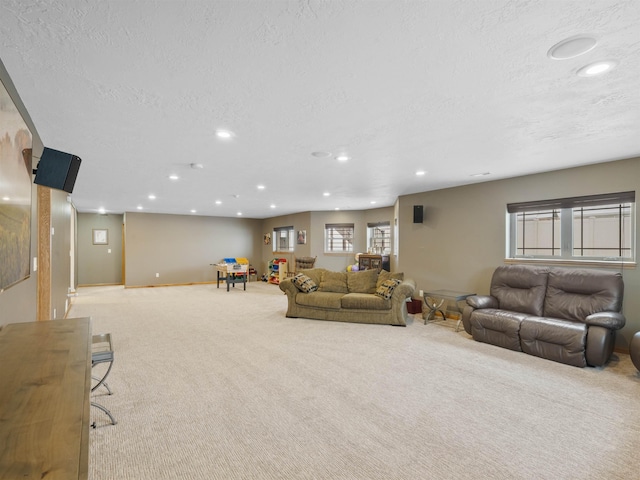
<point x="99" y="264"/>
<point x="181" y="248"/>
<point x="60" y="250"/>
<point x="313" y="223"/>
<point x="18" y="303"/>
<point x="462" y="239"/>
<point x="299" y="221"/>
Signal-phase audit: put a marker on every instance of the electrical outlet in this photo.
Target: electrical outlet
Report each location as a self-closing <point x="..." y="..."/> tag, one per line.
<point x="421" y="293"/>
<point x="54" y="314"/>
<point x="157" y="275"/>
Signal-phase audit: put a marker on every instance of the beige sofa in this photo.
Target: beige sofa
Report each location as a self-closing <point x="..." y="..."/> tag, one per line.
<point x="350" y="296"/>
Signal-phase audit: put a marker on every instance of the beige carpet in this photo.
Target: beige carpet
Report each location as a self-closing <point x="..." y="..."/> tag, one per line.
<point x="209" y="384"/>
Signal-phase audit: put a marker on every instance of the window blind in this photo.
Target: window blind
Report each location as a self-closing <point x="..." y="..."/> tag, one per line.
<point x="573" y="202"/>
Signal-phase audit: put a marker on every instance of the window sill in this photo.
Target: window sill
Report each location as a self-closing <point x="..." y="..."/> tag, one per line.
<point x="571" y="263"/>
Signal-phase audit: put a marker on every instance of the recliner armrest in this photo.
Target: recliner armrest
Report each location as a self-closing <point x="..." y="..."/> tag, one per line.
<point x="482" y="301"/>
<point x="475" y="302"/>
<point x="610" y="320"/>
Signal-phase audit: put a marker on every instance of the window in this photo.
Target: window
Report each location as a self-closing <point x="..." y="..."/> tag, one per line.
<point x="283" y="239"/>
<point x="379" y="237"/>
<point x="595" y="227"/>
<point x="338" y="237"/>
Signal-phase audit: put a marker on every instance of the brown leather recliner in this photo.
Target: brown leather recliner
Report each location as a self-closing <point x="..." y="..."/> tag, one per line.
<point x="569" y="315"/>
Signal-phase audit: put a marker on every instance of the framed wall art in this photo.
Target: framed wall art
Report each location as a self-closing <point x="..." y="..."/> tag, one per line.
<point x="15" y="193"/>
<point x="100" y="236"/>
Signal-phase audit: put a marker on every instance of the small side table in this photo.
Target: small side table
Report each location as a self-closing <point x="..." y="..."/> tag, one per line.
<point x="436" y="298"/>
<point x="232" y="273"/>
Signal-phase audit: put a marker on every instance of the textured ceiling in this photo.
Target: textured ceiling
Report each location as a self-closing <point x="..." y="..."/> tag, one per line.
<point x="138" y="88"/>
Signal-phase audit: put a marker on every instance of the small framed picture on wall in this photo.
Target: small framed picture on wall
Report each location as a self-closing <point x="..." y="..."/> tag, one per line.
<point x="302" y="237"/>
<point x="100" y="236"/>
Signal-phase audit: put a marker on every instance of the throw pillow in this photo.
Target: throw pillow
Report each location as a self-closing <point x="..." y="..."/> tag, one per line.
<point x="384" y="275"/>
<point x="386" y="289"/>
<point x="304" y="283"/>
<point x="314" y="274"/>
<point x="334" y="282"/>
<point x="362" y="282"/>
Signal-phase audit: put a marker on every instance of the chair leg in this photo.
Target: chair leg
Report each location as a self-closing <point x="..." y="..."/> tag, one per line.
<point x="106" y="411"/>
<point x="103" y="383"/>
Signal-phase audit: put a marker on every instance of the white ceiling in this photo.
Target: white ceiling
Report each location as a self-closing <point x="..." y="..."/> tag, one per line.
<point x="137" y="89"/>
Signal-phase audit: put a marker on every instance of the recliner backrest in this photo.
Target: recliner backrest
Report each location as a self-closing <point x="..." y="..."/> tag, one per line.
<point x="520" y="288"/>
<point x="575" y="293"/>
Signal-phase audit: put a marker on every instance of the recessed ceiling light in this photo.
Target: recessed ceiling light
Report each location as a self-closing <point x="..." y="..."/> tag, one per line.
<point x="421" y="173"/>
<point x="6" y="199"/>
<point x="193" y="211"/>
<point x="260" y="187"/>
<point x="321" y="154"/>
<point x="343" y="158"/>
<point x="326" y="194"/>
<point x="102" y="210"/>
<point x="139" y="207"/>
<point x="597" y="68"/>
<point x="218" y="202"/>
<point x="572" y="47"/>
<point x="373" y="202"/>
<point x="152" y="197"/>
<point x="225" y="134"/>
<point x="239" y="214"/>
<point x="173" y="177"/>
<point x="337" y="208"/>
<point x="272" y="206"/>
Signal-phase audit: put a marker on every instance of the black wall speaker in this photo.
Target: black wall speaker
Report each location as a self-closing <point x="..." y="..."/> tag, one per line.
<point x="417" y="214"/>
<point x="57" y="170"/>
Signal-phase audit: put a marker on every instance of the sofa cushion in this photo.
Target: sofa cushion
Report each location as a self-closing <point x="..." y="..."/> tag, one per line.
<point x="314" y="274"/>
<point x="326" y="300"/>
<point x="575" y="293"/>
<point x="386" y="289"/>
<point x="304" y="283"/>
<point x="554" y="339"/>
<point x="384" y="275"/>
<point x="365" y="301"/>
<point x="334" y="282"/>
<point x="520" y="288"/>
<point x="362" y="282"/>
<point x="498" y="327"/>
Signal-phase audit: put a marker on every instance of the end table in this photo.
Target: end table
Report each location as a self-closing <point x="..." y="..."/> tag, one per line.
<point x="436" y="298"/>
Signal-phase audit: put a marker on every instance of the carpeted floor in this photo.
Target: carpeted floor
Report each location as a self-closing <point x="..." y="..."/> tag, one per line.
<point x="221" y="385"/>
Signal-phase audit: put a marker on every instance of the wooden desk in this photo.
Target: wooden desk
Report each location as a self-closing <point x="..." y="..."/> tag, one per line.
<point x="45" y="379"/>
